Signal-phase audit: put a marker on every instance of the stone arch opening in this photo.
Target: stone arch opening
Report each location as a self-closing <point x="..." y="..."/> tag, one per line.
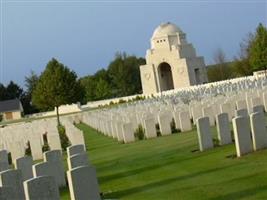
<point x="165" y="77"/>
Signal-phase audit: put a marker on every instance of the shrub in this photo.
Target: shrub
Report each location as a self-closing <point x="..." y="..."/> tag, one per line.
<point x="158" y="129"/>
<point x="28" y="151"/>
<point x="121" y="101"/>
<point x="9" y="158"/>
<point x="45" y="147"/>
<point x="139" y="132"/>
<point x="173" y="126"/>
<point x="64" y="140"/>
<point x="216" y="142"/>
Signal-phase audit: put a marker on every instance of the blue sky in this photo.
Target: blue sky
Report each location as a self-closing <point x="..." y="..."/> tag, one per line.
<point x="85" y="35"/>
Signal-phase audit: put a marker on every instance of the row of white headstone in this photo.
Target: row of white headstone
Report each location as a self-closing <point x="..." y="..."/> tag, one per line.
<point x="120" y="123"/>
<point x="250" y="131"/>
<point x="15" y="138"/>
<point x="42" y="180"/>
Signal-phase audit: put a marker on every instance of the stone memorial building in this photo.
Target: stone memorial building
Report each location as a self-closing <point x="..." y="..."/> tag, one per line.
<point x="171" y="62"/>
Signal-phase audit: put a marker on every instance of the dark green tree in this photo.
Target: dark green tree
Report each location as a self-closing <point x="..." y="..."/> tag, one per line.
<point x="2" y="92"/>
<point x="125" y="74"/>
<point x="89" y="85"/>
<point x="258" y="49"/>
<point x="102" y="89"/>
<point x="57" y="85"/>
<point x="13" y="91"/>
<point x="30" y="83"/>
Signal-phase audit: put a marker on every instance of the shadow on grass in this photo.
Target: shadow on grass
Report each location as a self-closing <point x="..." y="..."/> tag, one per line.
<point x="137" y="189"/>
<point x="241" y="194"/>
<point x="124" y="174"/>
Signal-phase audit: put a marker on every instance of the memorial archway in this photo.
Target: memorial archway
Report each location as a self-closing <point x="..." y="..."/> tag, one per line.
<point x="165" y="77"/>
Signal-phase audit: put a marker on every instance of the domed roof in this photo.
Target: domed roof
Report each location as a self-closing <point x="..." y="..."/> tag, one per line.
<point x="166" y="29"/>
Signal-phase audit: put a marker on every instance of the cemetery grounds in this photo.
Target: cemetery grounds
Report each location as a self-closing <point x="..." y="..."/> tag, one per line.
<point x="171" y="167"/>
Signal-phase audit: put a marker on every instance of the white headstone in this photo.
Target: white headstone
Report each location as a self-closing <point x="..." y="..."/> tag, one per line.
<point x="150" y="128"/>
<point x="223" y="129"/>
<point x="204" y="134"/>
<point x="89" y="190"/>
<point x="41" y="188"/>
<point x="185" y="121"/>
<point x="75" y="149"/>
<point x="164" y="124"/>
<point x="128" y="133"/>
<point x="208" y="112"/>
<point x="13" y="178"/>
<point x="25" y="165"/>
<point x="241" y="112"/>
<point x="242" y="135"/>
<point x="3" y="160"/>
<point x="7" y="193"/>
<point x="78" y="160"/>
<point x="55" y="158"/>
<point x="258" y="130"/>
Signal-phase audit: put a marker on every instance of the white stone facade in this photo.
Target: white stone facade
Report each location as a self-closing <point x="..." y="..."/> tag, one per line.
<point x="171" y="62"/>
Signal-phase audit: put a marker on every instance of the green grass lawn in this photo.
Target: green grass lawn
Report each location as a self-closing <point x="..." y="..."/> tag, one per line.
<point x="169" y="168"/>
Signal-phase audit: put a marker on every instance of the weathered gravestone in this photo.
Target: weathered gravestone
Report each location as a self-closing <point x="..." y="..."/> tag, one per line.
<point x="36" y="148"/>
<point x="25" y="165"/>
<point x="223" y="129"/>
<point x="43" y="169"/>
<point x="119" y="131"/>
<point x="241" y="112"/>
<point x="164" y="124"/>
<point x="242" y="135"/>
<point x="258" y="130"/>
<point x="13" y="178"/>
<point x="77" y="160"/>
<point x="41" y="188"/>
<point x="176" y="117"/>
<point x="54" y="141"/>
<point x="208" y="112"/>
<point x="89" y="189"/>
<point x="75" y="149"/>
<point x="241" y="104"/>
<point x="204" y="134"/>
<point x="185" y="121"/>
<point x="258" y="108"/>
<point x="150" y="128"/>
<point x="128" y="132"/>
<point x="54" y="157"/>
<point x="7" y="193"/>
